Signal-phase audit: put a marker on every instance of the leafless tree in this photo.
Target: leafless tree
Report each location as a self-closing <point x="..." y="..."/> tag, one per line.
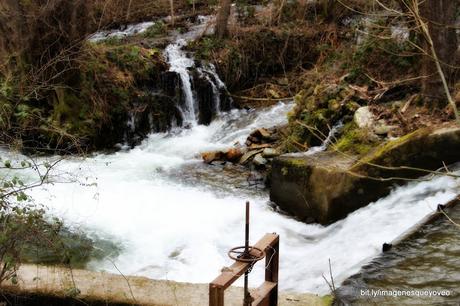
<point x="222" y="18"/>
<point x="433" y="22"/>
<point x="39" y="40"/>
<point x="171" y="4"/>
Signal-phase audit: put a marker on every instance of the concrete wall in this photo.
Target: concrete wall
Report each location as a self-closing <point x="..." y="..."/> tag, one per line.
<point x="34" y="280"/>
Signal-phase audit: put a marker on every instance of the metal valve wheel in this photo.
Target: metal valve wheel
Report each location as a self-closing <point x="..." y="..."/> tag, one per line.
<point x="246" y="254"/>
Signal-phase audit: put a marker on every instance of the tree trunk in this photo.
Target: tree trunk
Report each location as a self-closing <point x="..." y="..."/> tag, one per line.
<point x="128" y="11"/>
<point x="222" y="18"/>
<point x="14" y="16"/>
<point x="329" y="10"/>
<point x="12" y="46"/>
<point x="171" y="4"/>
<point x="440" y="16"/>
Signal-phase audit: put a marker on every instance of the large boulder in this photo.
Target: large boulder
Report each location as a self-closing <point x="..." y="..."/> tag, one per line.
<point x="327" y="186"/>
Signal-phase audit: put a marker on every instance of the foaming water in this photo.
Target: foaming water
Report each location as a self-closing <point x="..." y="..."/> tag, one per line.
<point x="428" y="260"/>
<point x="169" y="230"/>
<point x="129" y="30"/>
<point x="180" y="62"/>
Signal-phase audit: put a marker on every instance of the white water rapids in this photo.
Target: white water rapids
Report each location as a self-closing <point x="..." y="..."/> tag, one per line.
<point x="182" y="232"/>
<point x="180" y="62"/>
<point x="129" y="30"/>
<point x="179" y="231"/>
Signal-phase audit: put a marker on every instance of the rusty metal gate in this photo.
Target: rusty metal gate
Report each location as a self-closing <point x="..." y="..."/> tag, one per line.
<point x="244" y="259"/>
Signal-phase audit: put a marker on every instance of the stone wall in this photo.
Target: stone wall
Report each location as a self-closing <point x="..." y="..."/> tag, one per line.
<point x="326" y="187"/>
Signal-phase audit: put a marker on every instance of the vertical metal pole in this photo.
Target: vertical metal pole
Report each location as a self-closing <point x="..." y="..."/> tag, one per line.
<point x="247" y="296"/>
<point x="246" y="237"/>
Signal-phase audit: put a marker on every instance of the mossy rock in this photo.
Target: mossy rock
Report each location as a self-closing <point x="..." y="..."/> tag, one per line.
<point x="326" y="186"/>
<point x="70" y="248"/>
<point x="91" y="111"/>
<point x="428" y="148"/>
<point x="355" y="140"/>
<point x="318" y="108"/>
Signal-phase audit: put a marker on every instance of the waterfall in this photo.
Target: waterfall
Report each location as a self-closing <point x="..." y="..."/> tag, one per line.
<point x="180" y="63"/>
<point x="156" y="201"/>
<point x="209" y="72"/>
<point x="129" y="30"/>
<point x="198" y="92"/>
<point x="193" y="107"/>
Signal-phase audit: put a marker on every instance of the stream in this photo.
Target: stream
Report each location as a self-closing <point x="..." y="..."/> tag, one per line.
<point x="175" y="217"/>
<point x="428" y="261"/>
<point x="156" y="202"/>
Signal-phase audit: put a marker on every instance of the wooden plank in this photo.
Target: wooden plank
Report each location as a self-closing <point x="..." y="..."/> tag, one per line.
<point x="216" y="296"/>
<point x="261" y="294"/>
<point x="232" y="273"/>
<point x="271" y="270"/>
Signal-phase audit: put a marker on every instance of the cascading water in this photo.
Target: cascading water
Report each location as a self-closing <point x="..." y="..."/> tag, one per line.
<point x="209" y="73"/>
<point x="181" y="230"/>
<point x="428" y="260"/>
<point x="171" y="228"/>
<point x="191" y="105"/>
<point x="181" y="63"/>
<point x="130" y="30"/>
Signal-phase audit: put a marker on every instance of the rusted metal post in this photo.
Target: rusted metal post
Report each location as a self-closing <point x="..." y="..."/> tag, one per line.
<point x="271" y="270"/>
<point x="247" y="296"/>
<point x="267" y="293"/>
<point x="246" y="232"/>
<point x="245" y="257"/>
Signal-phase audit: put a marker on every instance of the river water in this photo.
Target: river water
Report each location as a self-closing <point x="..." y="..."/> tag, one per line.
<point x="179" y="227"/>
<point x="175" y="218"/>
<point x="428" y="264"/>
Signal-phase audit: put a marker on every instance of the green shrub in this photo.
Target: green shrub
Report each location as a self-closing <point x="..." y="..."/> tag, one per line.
<point x="158" y="29"/>
<point x="27" y="233"/>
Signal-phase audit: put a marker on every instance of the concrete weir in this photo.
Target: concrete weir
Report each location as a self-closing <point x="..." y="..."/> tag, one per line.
<point x="112" y="289"/>
<point x="327" y="186"/>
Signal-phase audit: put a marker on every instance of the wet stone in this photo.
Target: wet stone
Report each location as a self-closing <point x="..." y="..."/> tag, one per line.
<point x="259" y="160"/>
<point x="270" y="153"/>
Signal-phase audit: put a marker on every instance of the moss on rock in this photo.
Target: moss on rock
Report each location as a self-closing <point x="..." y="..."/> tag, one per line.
<point x="74" y="249"/>
<point x="355" y="140"/>
<point x="91" y="110"/>
<point x="319" y="106"/>
<point x="326" y="186"/>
